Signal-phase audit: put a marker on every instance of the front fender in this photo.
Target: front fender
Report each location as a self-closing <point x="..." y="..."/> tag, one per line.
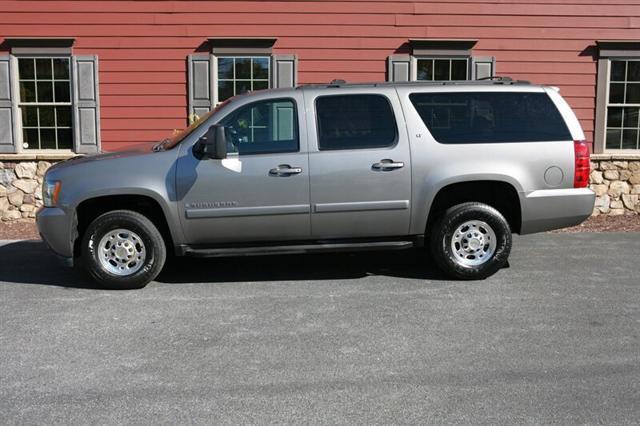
<point x="150" y="175"/>
<point x="169" y="208"/>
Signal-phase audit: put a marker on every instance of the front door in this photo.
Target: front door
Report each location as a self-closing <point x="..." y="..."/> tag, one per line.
<point x="260" y="191"/>
<point x="360" y="165"/>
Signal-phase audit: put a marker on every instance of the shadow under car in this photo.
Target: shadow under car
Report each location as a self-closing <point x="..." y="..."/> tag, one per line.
<point x="18" y="259"/>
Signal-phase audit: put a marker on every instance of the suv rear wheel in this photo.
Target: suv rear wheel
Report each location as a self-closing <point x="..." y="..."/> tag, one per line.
<point x="123" y="250"/>
<point x="471" y="241"/>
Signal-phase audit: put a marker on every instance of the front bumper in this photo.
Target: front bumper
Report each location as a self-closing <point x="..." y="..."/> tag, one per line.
<point x="55" y="226"/>
<point x="549" y="209"/>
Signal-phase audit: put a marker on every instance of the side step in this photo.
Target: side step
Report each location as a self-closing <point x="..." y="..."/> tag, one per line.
<point x="296" y="249"/>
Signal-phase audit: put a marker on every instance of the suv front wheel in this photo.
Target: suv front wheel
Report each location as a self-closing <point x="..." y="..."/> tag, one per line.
<point x="123" y="250"/>
<point x="471" y="241"/>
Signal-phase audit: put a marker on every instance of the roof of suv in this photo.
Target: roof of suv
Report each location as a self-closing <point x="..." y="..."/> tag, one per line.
<point x="503" y="82"/>
<point x="492" y="81"/>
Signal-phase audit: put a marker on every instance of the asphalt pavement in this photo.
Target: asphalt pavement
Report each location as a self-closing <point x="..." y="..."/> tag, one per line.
<point x="366" y="338"/>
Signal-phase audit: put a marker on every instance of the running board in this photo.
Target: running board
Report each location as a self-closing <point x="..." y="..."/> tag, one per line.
<point x="296" y="249"/>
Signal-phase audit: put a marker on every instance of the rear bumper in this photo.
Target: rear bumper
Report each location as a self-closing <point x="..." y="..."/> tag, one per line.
<point x="55" y="225"/>
<point x="549" y="209"/>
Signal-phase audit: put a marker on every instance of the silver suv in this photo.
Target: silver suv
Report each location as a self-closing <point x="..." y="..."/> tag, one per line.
<point x="455" y="166"/>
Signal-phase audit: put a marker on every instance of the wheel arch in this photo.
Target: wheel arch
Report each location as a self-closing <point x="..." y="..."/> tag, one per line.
<point x="498" y="193"/>
<point x="148" y="204"/>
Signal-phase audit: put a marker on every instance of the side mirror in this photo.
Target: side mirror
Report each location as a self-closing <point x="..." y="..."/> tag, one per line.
<point x="213" y="144"/>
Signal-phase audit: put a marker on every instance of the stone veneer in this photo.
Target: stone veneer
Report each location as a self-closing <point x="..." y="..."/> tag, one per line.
<point x="21" y="188"/>
<point x="616" y="183"/>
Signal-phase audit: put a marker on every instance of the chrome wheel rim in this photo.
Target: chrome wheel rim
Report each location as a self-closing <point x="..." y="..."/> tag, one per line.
<point x="473" y="243"/>
<point x="121" y="252"/>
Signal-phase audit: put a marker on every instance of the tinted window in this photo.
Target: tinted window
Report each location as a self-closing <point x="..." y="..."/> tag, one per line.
<point x="355" y="122"/>
<point x="263" y="127"/>
<point x="485" y="117"/>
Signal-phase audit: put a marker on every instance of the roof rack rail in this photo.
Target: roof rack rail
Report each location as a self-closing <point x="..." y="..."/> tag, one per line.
<point x="336" y="82"/>
<point x="496" y="77"/>
<point x="504" y="79"/>
<point x="491" y="80"/>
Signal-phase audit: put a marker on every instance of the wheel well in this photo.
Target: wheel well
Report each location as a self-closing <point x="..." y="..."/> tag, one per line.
<point x="500" y="195"/>
<point x="90" y="209"/>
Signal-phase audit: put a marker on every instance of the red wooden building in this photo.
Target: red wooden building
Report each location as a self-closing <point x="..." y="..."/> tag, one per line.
<point x="141" y="51"/>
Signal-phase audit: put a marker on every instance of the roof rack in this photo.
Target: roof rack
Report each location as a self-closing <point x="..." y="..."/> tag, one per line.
<point x="492" y="80"/>
<point x="496" y="78"/>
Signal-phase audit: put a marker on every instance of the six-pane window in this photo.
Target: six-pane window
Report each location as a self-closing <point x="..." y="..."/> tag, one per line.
<point x="45" y="103"/>
<point x="239" y="74"/>
<point x="623" y="126"/>
<point x="428" y="69"/>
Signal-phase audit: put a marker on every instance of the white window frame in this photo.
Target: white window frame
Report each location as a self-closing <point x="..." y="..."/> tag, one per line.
<point x="19" y="103"/>
<point x="214" y="71"/>
<point x="610" y="50"/>
<point x="607" y="104"/>
<point x="416" y="58"/>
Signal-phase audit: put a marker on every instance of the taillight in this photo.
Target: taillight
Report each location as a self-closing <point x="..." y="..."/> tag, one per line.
<point x="582" y="164"/>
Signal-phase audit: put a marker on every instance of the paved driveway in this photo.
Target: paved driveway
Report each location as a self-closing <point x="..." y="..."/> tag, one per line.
<point x="366" y="338"/>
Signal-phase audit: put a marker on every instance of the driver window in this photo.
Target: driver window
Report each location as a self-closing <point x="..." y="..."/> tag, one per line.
<point x="263" y="127"/>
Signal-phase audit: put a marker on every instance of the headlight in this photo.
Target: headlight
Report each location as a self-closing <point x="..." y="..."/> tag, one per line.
<point x="50" y="192"/>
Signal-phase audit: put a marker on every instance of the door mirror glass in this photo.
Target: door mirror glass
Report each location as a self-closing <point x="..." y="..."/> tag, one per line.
<point x="213" y="144"/>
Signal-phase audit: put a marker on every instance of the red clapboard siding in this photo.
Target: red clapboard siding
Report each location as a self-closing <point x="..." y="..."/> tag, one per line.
<point x="139" y="111"/>
<point x="136" y="77"/>
<point x="325" y="43"/>
<point x="260" y="7"/>
<point x="143" y="100"/>
<point x="576" y="102"/>
<point x="143" y="45"/>
<point x="142" y="89"/>
<point x="547" y="67"/>
<point x="142" y="124"/>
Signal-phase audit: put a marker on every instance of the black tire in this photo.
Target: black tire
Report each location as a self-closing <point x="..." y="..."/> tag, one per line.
<point x="442" y="235"/>
<point x="153" y="243"/>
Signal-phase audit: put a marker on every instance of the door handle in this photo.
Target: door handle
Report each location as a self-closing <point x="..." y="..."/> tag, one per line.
<point x="387" y="165"/>
<point x="285" y="170"/>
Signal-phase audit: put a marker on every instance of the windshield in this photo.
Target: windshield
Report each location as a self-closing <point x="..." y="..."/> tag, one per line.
<point x="179" y="135"/>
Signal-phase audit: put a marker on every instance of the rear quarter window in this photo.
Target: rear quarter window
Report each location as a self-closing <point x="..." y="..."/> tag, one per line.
<point x="490" y="117"/>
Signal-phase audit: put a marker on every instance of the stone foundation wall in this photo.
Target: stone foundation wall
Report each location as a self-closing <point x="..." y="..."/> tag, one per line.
<point x="616" y="183"/>
<point x="21" y="188"/>
<point x="617" y="186"/>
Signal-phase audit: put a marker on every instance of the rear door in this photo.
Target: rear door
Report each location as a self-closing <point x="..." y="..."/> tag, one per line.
<point x="359" y="164"/>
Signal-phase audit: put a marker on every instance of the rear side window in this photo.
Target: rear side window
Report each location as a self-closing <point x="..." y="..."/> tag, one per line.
<point x="355" y="122"/>
<point x="490" y="117"/>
